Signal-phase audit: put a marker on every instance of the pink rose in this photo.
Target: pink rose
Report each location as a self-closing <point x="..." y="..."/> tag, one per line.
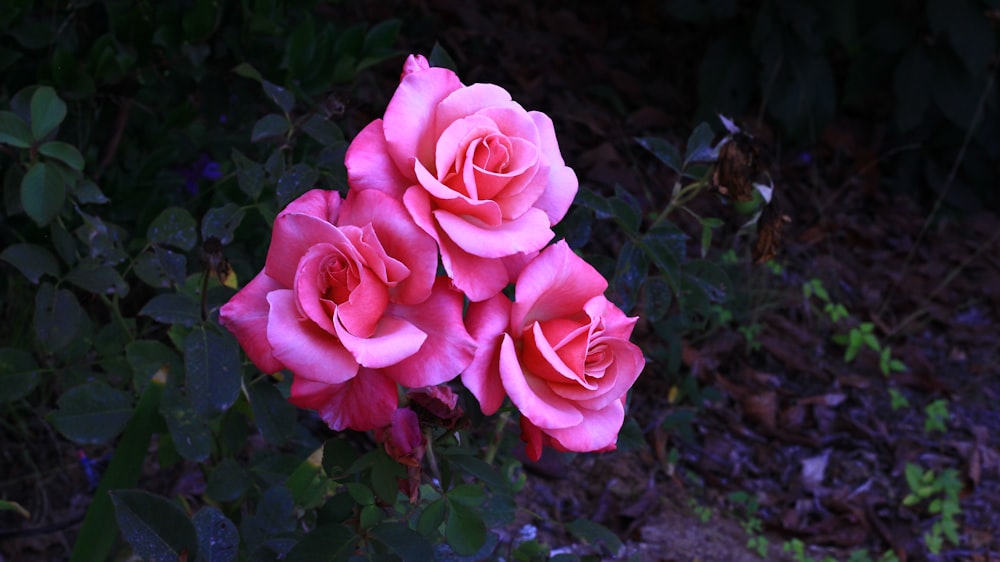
<point x="348" y="302"/>
<point x="476" y="172"/>
<point x="560" y="351"/>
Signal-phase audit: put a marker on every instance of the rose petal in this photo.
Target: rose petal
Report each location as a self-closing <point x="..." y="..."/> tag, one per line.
<point x="309" y="287"/>
<point x="294" y="234"/>
<point x="245" y="315"/>
<point x="410" y="116"/>
<point x="532" y="396"/>
<point x="400" y="238"/>
<point x="319" y="203"/>
<point x="370" y="167"/>
<point x="555" y="284"/>
<point x="365" y="402"/>
<point x="366" y="305"/>
<point x="562" y="182"/>
<point x="466" y="101"/>
<point x="527" y="233"/>
<point x="446" y="198"/>
<point x="448" y="349"/>
<point x="625" y="367"/>
<point x="392" y="341"/>
<point x="302" y="347"/>
<point x="479" y="278"/>
<point x="487" y="321"/>
<point x="598" y="430"/>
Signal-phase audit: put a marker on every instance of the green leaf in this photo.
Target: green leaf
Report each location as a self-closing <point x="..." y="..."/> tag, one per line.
<point x="595" y="533"/>
<point x="663" y="151"/>
<point x="31" y="260"/>
<point x="439" y="57"/>
<point x="381" y="36"/>
<point x="148" y="357"/>
<point x="87" y="191"/>
<point x="299" y="179"/>
<point x="156" y="527"/>
<point x="275" y="516"/>
<point x="218" y="539"/>
<point x="245" y="70"/>
<point x="228" y="481"/>
<point x="19" y="374"/>
<point x="432" y="517"/>
<point x="707" y="225"/>
<point x="47" y="112"/>
<point x="600" y="205"/>
<point x="384" y="474"/>
<point x="92" y="413"/>
<point x="57" y="317"/>
<point x="630" y="271"/>
<point x="470" y="495"/>
<point x="402" y="541"/>
<point x="338" y="456"/>
<point x="222" y="222"/>
<point x="98" y="279"/>
<point x="63" y="152"/>
<point x="481" y="470"/>
<point x="712" y="279"/>
<point x="161" y="268"/>
<point x="656" y="298"/>
<point x="269" y="126"/>
<point x="323" y="131"/>
<point x="173" y="227"/>
<point x="274" y="416"/>
<point x="699" y="145"/>
<point x="14" y="131"/>
<point x="464" y="529"/>
<point x="98" y="532"/>
<point x="249" y="174"/>
<point x="188" y="428"/>
<point x="666" y="246"/>
<point x="362" y="494"/>
<point x="212" y="370"/>
<point x="327" y="543"/>
<point x="42" y="193"/>
<point x="172" y="308"/>
<point x="279" y="95"/>
<point x="626" y="209"/>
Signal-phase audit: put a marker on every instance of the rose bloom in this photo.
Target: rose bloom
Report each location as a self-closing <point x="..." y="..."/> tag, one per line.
<point x="477" y="172"/>
<point x="348" y="302"/>
<point x="560" y="351"/>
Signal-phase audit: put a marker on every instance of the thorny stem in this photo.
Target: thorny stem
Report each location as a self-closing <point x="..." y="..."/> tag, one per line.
<point x="491" y="453"/>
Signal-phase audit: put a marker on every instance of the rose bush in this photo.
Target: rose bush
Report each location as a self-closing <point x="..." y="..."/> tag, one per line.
<point x="560" y="351"/>
<point x="479" y="174"/>
<point x="349" y="302"/>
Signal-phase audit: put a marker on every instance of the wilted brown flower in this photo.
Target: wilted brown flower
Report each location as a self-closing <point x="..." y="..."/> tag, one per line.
<point x="738" y="166"/>
<point x="769" y="225"/>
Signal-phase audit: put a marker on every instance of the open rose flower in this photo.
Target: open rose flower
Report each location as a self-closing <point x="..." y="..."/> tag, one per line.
<point x="477" y="172"/>
<point x="348" y="302"/>
<point x="560" y="351"/>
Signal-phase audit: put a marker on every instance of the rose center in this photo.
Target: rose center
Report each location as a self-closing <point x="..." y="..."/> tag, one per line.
<point x="492" y="154"/>
<point x="337" y="279"/>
